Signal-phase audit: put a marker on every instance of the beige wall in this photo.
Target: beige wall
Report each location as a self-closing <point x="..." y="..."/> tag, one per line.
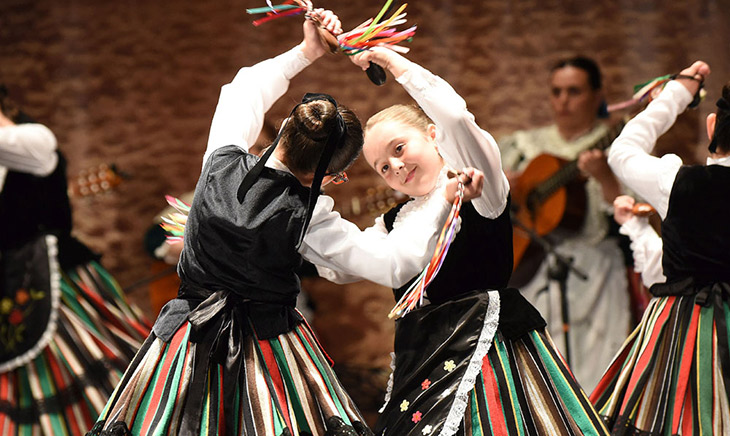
<point x="135" y="83"/>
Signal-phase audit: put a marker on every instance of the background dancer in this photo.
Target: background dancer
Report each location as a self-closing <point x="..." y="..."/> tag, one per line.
<point x="670" y="376"/>
<point x="66" y="330"/>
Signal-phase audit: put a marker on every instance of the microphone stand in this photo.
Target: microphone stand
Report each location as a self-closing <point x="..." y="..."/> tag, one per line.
<point x="558" y="270"/>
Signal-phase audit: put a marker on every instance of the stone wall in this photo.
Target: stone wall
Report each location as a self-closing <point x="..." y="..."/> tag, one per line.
<point x="135" y="83"/>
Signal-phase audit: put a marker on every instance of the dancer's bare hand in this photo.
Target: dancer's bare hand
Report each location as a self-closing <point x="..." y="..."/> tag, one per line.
<point x="699" y="70"/>
<point x="383" y="56"/>
<point x="473" y="181"/>
<point x="623" y="207"/>
<point x="312" y="45"/>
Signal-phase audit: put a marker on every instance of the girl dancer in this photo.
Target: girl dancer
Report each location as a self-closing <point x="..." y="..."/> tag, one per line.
<point x="477" y="359"/>
<point x="66" y="330"/>
<point x="671" y="375"/>
<point x="231" y="354"/>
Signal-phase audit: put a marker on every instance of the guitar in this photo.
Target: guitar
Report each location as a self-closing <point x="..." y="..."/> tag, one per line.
<point x="550" y="194"/>
<point x="376" y="201"/>
<point x="94" y="181"/>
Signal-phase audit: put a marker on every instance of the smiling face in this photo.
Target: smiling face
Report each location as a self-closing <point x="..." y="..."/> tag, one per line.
<point x="406" y="157"/>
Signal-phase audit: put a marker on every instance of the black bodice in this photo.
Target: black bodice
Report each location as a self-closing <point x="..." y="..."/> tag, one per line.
<point x="248" y="249"/>
<point x="31" y="205"/>
<point x="479" y="258"/>
<point x="696" y="232"/>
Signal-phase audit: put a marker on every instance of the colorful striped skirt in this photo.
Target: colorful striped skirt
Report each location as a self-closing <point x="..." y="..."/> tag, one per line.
<point x="671" y="375"/>
<point x="62" y="388"/>
<point x="519" y="386"/>
<point x="284" y="386"/>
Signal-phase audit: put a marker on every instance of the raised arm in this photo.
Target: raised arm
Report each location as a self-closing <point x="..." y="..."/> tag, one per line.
<point x="461" y="141"/>
<point x="648" y="176"/>
<point x="239" y="116"/>
<point x="28" y="148"/>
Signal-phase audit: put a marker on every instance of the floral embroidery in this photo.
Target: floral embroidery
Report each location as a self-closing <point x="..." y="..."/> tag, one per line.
<point x="425" y="384"/>
<point x="416" y="417"/>
<point x="404" y="405"/>
<point x="13" y="311"/>
<point x="449" y="365"/>
<point x="427" y="430"/>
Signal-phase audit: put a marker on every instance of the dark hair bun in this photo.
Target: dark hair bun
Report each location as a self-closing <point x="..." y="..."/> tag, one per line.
<point x="315" y="119"/>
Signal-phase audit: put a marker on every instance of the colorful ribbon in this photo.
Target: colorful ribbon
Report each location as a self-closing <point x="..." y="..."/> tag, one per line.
<point x="371" y="33"/>
<point x="174" y="223"/>
<point x="413" y="298"/>
<point x="649" y="90"/>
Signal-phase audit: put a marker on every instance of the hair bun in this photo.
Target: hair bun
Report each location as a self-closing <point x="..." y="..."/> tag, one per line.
<point x="315" y="119"/>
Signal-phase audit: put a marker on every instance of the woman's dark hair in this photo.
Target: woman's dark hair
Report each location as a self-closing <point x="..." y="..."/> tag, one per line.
<point x="8" y="107"/>
<point x="721" y="136"/>
<point x="306" y="132"/>
<point x="586" y="64"/>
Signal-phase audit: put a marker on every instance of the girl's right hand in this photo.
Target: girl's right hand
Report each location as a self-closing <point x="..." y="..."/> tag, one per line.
<point x="383" y="56"/>
<point x="312" y="45"/>
<point x="623" y="208"/>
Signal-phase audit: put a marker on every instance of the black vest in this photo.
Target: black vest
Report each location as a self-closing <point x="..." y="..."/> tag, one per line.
<point x="32" y="205"/>
<point x="248" y="249"/>
<point x="479" y="258"/>
<point x="695" y="232"/>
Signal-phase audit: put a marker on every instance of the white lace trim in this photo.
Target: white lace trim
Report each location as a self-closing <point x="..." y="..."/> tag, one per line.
<point x="55" y="277"/>
<point x="458" y="408"/>
<point x="389" y="388"/>
<point x="433" y="200"/>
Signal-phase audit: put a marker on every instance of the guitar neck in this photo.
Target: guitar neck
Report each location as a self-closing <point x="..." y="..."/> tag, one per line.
<point x="570" y="171"/>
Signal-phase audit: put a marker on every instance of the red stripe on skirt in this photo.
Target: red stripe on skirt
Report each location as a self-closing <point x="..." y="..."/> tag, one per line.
<point x="172" y="349"/>
<point x="276" y="379"/>
<point x="5" y="395"/>
<point x="688" y="418"/>
<point x="108" y="353"/>
<point x="318" y="346"/>
<point x="685" y="366"/>
<point x="610" y="375"/>
<point x="645" y="357"/>
<point x="60" y="385"/>
<point x="497" y="421"/>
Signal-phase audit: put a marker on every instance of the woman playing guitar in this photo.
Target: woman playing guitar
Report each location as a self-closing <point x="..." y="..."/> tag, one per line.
<point x="598" y="307"/>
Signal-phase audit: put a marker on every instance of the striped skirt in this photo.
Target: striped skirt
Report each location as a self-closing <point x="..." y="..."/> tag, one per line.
<point x="518" y="385"/>
<point x="525" y="388"/>
<point x="62" y="390"/>
<point x="285" y="387"/>
<point x="671" y="375"/>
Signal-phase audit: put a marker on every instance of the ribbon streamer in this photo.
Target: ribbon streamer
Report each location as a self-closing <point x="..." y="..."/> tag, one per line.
<point x="413" y="298"/>
<point x="371" y="33"/>
<point x="174" y="224"/>
<point x="649" y="90"/>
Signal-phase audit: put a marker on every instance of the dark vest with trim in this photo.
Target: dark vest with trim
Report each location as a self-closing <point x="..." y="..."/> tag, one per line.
<point x="695" y="232"/>
<point x="248" y="249"/>
<point x="480" y="257"/>
<point x="32" y="205"/>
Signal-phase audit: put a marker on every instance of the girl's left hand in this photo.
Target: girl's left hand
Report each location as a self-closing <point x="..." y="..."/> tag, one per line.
<point x="383" y="56"/>
<point x="473" y="181"/>
<point x="623" y="208"/>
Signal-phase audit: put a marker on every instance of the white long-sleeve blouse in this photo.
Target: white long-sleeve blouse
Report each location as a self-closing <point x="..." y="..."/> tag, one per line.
<point x="331" y="242"/>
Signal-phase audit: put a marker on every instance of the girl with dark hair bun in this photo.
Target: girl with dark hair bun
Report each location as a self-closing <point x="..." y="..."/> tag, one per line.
<point x="231" y="355"/>
<point x="672" y="375"/>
